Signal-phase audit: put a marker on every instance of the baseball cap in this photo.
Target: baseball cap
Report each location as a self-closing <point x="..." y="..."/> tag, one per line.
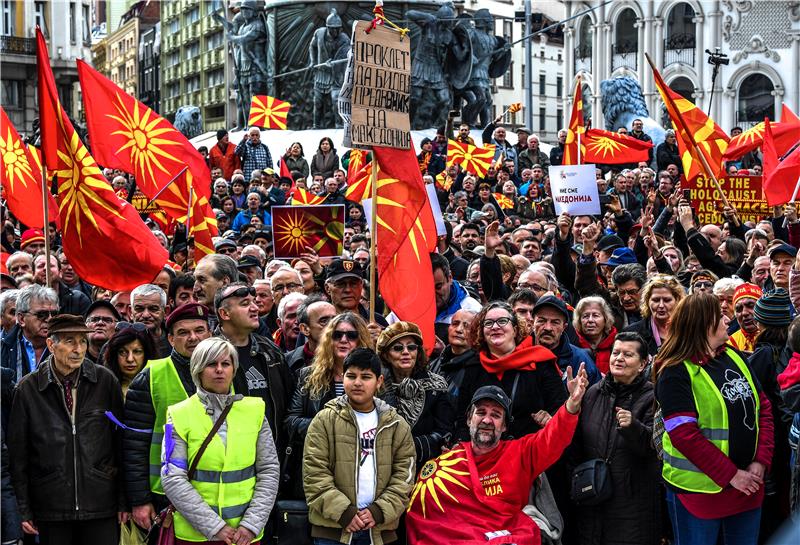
<point x="342" y="268"/>
<point x="783" y="248"/>
<point x="496" y="394"/>
<point x="621" y="256"/>
<point x="553" y="302"/>
<point x="609" y="242"/>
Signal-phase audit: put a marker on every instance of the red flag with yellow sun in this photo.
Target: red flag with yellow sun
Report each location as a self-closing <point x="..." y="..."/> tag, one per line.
<point x="22" y="178"/>
<point x="784" y="135"/>
<point x="471" y="158"/>
<point x="576" y="129"/>
<point x="302" y="196"/>
<point x="268" y="112"/>
<point x="359" y="176"/>
<point x="295" y="228"/>
<point x="106" y="242"/>
<point x="613" y="148"/>
<point x="127" y="135"/>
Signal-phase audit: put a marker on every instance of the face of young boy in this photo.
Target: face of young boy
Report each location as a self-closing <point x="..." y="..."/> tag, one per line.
<point x="361" y="386"/>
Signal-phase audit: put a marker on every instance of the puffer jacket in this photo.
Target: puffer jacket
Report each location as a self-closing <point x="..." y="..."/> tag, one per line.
<point x="633" y="514"/>
<point x="330" y="471"/>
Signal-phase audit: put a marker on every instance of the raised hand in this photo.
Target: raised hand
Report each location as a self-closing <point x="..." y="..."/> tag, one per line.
<point x="492" y="238"/>
<point x="590" y="235"/>
<point x="576" y="386"/>
<point x="685" y="216"/>
<point x="564" y="224"/>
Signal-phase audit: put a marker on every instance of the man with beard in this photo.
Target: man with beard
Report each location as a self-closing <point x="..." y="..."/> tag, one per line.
<point x="744" y="304"/>
<point x="457" y="352"/>
<point x="470" y="237"/>
<point x="148" y="307"/>
<point x="504" y="471"/>
<point x="450" y="295"/>
<point x="162" y="383"/>
<point x="101" y="318"/>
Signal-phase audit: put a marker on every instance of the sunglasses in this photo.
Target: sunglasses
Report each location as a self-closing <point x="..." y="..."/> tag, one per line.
<point x="399" y="348"/>
<point x="42" y="315"/>
<point x="136" y="326"/>
<point x="244" y="291"/>
<point x="351" y="335"/>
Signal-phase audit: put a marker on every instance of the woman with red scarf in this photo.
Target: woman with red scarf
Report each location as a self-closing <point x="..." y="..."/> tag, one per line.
<point x="594" y="322"/>
<point x="506" y="357"/>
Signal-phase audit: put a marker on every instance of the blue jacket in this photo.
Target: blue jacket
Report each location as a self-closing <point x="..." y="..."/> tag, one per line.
<point x="243" y="218"/>
<point x="571" y="355"/>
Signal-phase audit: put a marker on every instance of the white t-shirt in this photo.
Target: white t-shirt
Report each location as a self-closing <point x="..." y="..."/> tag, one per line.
<point x="367" y="426"/>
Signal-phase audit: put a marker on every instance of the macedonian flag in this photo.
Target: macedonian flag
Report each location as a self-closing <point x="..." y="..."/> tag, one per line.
<point x="784" y="134"/>
<point x="268" y="112"/>
<point x="359" y="176"/>
<point x="106" y="242"/>
<point x="696" y="132"/>
<point x="471" y="158"/>
<point x="504" y="202"/>
<point x="295" y="228"/>
<point x="22" y="178"/>
<point x="301" y="196"/>
<point x="129" y="136"/>
<point x="576" y="129"/>
<point x="613" y="148"/>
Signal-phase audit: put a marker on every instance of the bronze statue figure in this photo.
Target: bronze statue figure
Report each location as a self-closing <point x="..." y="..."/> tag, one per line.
<point x="328" y="44"/>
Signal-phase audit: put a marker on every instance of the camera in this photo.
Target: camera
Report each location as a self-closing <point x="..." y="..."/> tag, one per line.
<point x="717" y="58"/>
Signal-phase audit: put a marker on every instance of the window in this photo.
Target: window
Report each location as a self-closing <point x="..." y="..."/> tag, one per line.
<point x="542" y="84"/>
<point x="680" y="26"/>
<point x="542" y="119"/>
<point x="559" y="116"/>
<point x="174" y="58"/>
<point x="41" y="18"/>
<point x="755" y="99"/>
<point x="684" y="87"/>
<point x="508" y="30"/>
<point x="12" y="93"/>
<point x="174" y="26"/>
<point x="192" y="50"/>
<point x="214" y="40"/>
<point x="215" y="77"/>
<point x="9" y="18"/>
<point x="193" y="15"/>
<point x="508" y="77"/>
<point x="121" y="76"/>
<point x="86" y="32"/>
<point x="585" y="39"/>
<point x="72" y="23"/>
<point x="173" y="89"/>
<point x="193" y="84"/>
<point x="559" y="85"/>
<point x="627" y="37"/>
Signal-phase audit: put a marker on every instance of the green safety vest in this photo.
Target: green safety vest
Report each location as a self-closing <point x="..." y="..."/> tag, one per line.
<point x="712" y="419"/>
<point x="226" y="473"/>
<point x="166" y="389"/>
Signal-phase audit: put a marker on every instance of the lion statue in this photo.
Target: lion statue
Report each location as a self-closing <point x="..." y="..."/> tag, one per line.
<point x="189" y="121"/>
<point x="622" y="101"/>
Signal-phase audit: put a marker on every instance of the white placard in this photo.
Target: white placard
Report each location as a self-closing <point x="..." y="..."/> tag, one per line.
<point x="574" y="189"/>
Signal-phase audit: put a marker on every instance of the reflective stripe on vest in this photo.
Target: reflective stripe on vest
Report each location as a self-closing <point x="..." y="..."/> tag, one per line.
<point x="226" y="474"/>
<point x="712" y="419"/>
<point x="166" y="389"/>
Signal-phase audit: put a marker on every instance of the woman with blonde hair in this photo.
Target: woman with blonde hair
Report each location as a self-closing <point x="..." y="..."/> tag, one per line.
<point x="660" y="294"/>
<point x="319" y="383"/>
<point x="593" y="320"/>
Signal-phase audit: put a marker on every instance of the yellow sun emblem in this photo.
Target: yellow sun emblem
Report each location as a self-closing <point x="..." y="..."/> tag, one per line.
<point x="433" y="476"/>
<point x="15" y="160"/>
<point x="605" y="146"/>
<point x="417" y="234"/>
<point x="296" y="230"/>
<point x="147" y="146"/>
<point x="81" y="183"/>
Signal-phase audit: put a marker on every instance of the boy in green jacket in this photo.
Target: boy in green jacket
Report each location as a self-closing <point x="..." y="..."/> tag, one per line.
<point x="358" y="462"/>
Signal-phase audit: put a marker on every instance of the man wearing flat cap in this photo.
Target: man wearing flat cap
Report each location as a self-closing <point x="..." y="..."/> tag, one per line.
<point x="64" y="451"/>
<point x="162" y="383"/>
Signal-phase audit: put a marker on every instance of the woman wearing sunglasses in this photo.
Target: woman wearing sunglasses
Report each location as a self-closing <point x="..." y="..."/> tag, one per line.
<point x="419" y="395"/>
<point x="319" y="383"/>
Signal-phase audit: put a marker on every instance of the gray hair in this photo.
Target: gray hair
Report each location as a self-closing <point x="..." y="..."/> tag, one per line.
<point x="224" y="267"/>
<point x="288" y="299"/>
<point x="33" y="292"/>
<point x="727" y="285"/>
<point x="605" y="309"/>
<point x="262" y="255"/>
<point x="6" y="297"/>
<point x="277" y="263"/>
<point x="285" y="268"/>
<point x="546" y="269"/>
<point x="146" y="290"/>
<point x="208" y="352"/>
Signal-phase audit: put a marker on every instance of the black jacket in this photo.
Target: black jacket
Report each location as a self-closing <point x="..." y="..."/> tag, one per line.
<point x="61" y="471"/>
<point x="668" y="155"/>
<point x="707" y="257"/>
<point x="633" y="514"/>
<point x="452" y="369"/>
<point x="536" y="390"/>
<point x="644" y="328"/>
<point x="10" y="351"/>
<point x="72" y="301"/>
<point x="140" y="414"/>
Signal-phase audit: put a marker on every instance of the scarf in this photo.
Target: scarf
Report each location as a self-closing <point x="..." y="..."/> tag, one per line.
<point x="524" y="358"/>
<point x="601" y="352"/>
<point x="410" y="393"/>
<point x="457" y="296"/>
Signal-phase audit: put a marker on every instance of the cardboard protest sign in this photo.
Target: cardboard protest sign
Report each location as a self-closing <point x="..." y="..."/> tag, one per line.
<point x="574" y="189"/>
<point x="143" y="205"/>
<point x="319" y="227"/>
<point x="743" y="192"/>
<point x="381" y="93"/>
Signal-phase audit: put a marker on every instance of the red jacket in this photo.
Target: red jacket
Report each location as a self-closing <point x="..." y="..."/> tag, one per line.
<point x="227" y="161"/>
<point x="459" y="497"/>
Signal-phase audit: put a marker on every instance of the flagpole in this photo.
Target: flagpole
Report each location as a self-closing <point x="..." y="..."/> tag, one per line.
<point x="579" y="146"/>
<point x="688" y="133"/>
<point x="46" y="223"/>
<point x="374" y="232"/>
<point x="160" y="191"/>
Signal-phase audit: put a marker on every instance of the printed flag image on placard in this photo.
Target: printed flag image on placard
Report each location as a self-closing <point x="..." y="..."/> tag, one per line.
<point x="471" y="158"/>
<point x="295" y="228"/>
<point x="268" y="112"/>
<point x="301" y="196"/>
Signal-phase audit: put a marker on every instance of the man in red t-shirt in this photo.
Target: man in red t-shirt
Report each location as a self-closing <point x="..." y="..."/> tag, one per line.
<point x="474" y="494"/>
<point x="222" y="155"/>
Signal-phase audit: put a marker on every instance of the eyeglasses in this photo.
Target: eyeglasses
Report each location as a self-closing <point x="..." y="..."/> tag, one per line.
<point x="534" y="287"/>
<point x="243" y="291"/>
<point x="101" y="319"/>
<point x="136" y="326"/>
<point x="501" y="322"/>
<point x="351" y="335"/>
<point x="42" y="315"/>
<point x="400" y="348"/>
<point x="629" y="293"/>
<point x="290" y="286"/>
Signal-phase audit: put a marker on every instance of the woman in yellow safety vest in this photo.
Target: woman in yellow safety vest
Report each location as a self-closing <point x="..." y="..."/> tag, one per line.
<point x="232" y="491"/>
<point x="719" y="431"/>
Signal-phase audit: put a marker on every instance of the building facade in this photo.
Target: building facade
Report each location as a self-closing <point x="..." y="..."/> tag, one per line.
<point x="66" y="27"/>
<point x="193" y="61"/>
<point x="761" y="41"/>
<point x="150" y="68"/>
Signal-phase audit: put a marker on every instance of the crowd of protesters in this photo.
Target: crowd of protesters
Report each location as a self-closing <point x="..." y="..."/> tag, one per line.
<point x="626" y="378"/>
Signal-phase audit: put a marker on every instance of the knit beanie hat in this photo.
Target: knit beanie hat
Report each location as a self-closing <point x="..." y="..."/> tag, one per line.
<point x="746" y="291"/>
<point x="772" y="309"/>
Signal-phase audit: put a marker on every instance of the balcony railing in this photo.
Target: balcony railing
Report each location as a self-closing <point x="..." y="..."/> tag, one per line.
<point x="13" y="45"/>
<point x="625" y="55"/>
<point x="583" y="58"/>
<point x="679" y="48"/>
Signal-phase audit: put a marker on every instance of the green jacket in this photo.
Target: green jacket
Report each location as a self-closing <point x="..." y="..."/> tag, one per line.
<point x="330" y="464"/>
